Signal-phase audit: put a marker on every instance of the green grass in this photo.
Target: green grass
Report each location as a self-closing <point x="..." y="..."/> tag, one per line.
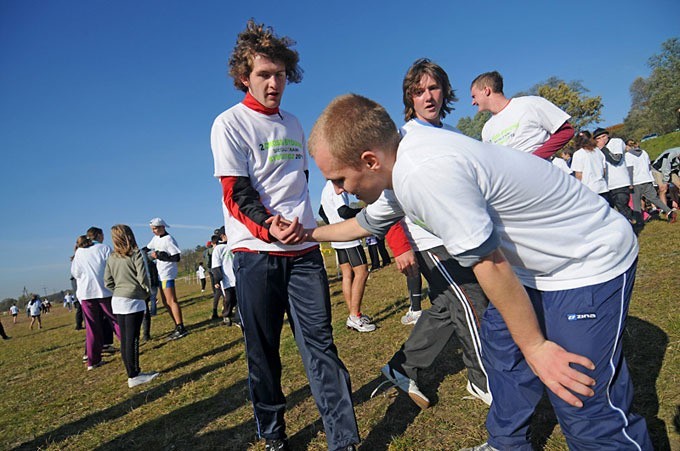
<point x="200" y="401"/>
<point x="655" y="146"/>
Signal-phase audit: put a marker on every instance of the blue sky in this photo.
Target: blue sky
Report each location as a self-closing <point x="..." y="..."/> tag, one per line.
<point x="106" y="106"/>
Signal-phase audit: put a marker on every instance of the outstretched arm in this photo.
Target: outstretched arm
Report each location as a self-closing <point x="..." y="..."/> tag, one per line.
<point x="549" y="361"/>
<point x="342" y="231"/>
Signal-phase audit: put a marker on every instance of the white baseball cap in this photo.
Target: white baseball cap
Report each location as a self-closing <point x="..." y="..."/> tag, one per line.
<point x="158" y="222"/>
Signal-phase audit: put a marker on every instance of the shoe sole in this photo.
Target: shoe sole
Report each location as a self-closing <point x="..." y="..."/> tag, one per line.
<point x="421" y="402"/>
<point x="359" y="330"/>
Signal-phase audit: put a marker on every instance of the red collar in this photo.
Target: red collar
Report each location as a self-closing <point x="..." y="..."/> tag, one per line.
<point x="252" y="103"/>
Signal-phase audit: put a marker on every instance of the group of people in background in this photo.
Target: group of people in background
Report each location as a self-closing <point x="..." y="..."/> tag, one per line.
<point x="116" y="289"/>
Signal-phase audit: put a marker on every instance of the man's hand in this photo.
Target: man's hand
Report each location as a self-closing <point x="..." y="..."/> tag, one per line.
<point x="551" y="363"/>
<point x="407" y="263"/>
<point x="287" y="232"/>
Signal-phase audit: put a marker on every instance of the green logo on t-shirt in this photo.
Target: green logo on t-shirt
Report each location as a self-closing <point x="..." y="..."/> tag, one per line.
<point x="282" y="149"/>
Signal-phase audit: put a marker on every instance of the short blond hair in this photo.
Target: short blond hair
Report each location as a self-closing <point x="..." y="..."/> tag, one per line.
<point x="350" y="125"/>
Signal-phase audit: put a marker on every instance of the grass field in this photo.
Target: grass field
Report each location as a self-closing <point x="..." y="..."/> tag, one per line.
<point x="200" y="401"/>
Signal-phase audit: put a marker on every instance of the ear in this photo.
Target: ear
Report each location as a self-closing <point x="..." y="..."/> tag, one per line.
<point x="370" y="159"/>
<point x="245" y="81"/>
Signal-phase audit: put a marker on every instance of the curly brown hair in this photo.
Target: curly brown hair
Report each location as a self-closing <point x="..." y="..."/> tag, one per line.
<point x="258" y="39"/>
<point x="420" y="67"/>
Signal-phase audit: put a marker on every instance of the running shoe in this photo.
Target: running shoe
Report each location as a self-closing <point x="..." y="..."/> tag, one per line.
<point x="411" y="317"/>
<point x="276" y="445"/>
<point x="479" y="393"/>
<point x="178" y="333"/>
<point x="141" y="378"/>
<point x="483" y="447"/>
<point x="362" y="323"/>
<point x="405" y="384"/>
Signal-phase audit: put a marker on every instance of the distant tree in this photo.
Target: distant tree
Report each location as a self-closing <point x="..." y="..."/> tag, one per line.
<point x="655" y="101"/>
<point x="6" y="303"/>
<point x="472" y="127"/>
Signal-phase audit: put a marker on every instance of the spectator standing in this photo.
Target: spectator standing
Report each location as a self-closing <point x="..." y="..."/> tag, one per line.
<point x="336" y="208"/>
<point x="126" y="276"/>
<point x="260" y="160"/>
<point x="165" y="251"/>
<point x="200" y="273"/>
<point x="35" y="308"/>
<point x="14" y="310"/>
<point x="223" y="274"/>
<point x="88" y="265"/>
<point x="589" y="165"/>
<point x="619" y="181"/>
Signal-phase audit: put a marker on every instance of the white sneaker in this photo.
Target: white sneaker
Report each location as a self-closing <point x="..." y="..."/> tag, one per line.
<point x="404" y="383"/>
<point x="361" y="323"/>
<point x="141" y="378"/>
<point x="96" y="365"/>
<point x="411" y="317"/>
<point x="483" y="447"/>
<point x="479" y="393"/>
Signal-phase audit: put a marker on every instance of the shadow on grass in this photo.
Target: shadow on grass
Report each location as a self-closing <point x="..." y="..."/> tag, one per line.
<point x="644" y="346"/>
<point x="121" y="409"/>
<point x="181" y="429"/>
<point x="403" y="411"/>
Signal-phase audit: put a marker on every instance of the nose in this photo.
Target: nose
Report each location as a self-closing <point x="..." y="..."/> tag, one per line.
<point x="338" y="189"/>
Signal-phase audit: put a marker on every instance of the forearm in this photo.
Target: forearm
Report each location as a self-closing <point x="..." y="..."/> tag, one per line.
<point x="507" y="294"/>
<point x="343" y="231"/>
<point x="557" y="140"/>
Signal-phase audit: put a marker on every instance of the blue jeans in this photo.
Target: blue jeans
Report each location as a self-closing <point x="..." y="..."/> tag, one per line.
<point x="268" y="286"/>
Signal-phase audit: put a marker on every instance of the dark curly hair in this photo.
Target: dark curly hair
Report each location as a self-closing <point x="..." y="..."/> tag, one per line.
<point x="258" y="39"/>
<point x="420" y="67"/>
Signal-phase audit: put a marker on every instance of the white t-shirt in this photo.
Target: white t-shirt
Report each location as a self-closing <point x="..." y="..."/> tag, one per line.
<point x="200" y="272"/>
<point x="560" y="163"/>
<point x="14" y="310"/>
<point x="419" y="238"/>
<point x="330" y="203"/>
<point x="88" y="267"/>
<point x="591" y="165"/>
<point x="35" y="308"/>
<point x="124" y="306"/>
<point x="617" y="175"/>
<point x="270" y="150"/>
<point x="641" y="167"/>
<point x="166" y="243"/>
<point x="525" y="123"/>
<point x="463" y="190"/>
<point x="222" y="257"/>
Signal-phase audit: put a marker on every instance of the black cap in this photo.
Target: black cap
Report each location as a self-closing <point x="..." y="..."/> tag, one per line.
<point x="600" y="131"/>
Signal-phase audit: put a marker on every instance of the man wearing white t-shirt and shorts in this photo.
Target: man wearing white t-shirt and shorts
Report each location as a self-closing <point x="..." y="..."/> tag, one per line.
<point x="351" y="258"/>
<point x="222" y="268"/>
<point x="531" y="124"/>
<point x="260" y="160"/>
<point x="165" y="251"/>
<point x="558" y="275"/>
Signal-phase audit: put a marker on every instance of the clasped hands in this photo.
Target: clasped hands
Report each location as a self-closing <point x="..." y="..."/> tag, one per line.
<point x="287" y="232"/>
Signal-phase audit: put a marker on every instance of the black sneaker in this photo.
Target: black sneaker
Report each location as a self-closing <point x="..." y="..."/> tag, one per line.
<point x="276" y="445"/>
<point x="178" y="333"/>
